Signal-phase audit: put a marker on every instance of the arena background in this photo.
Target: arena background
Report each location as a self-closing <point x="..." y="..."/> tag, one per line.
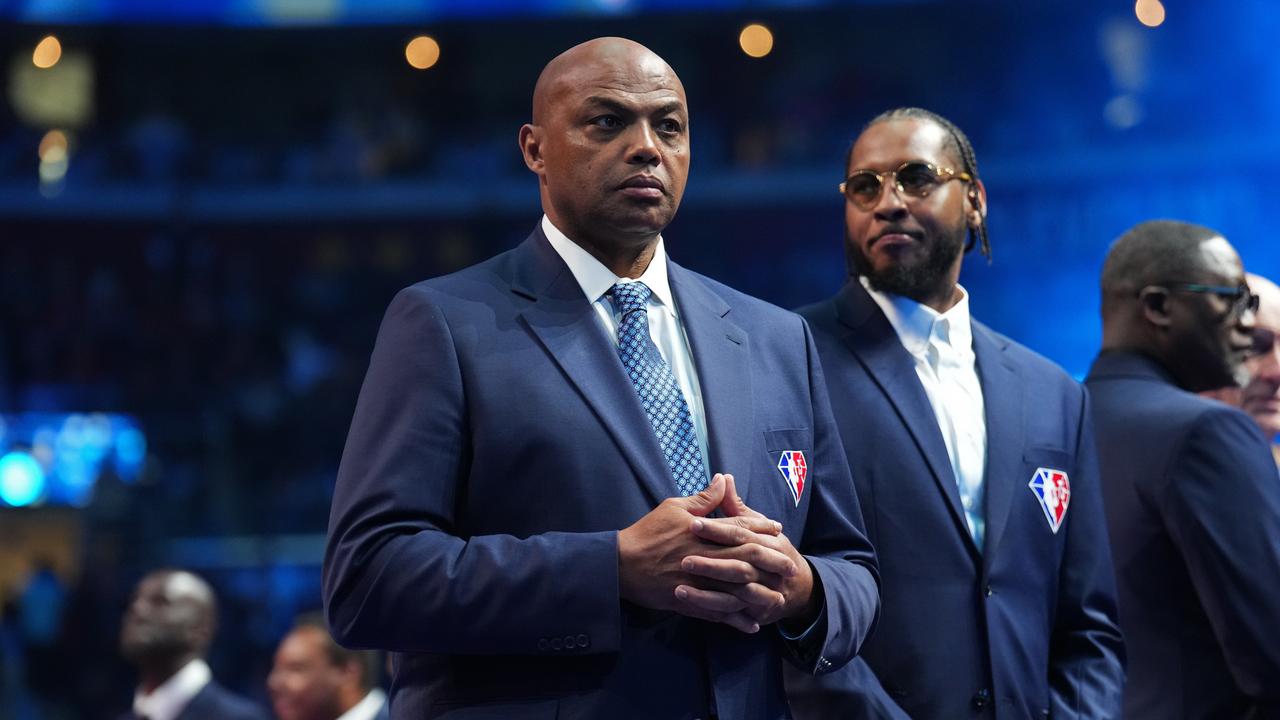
<point x="205" y="207"/>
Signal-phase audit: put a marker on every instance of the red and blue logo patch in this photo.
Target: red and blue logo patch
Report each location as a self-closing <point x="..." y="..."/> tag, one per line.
<point x="1053" y="489"/>
<point x="794" y="470"/>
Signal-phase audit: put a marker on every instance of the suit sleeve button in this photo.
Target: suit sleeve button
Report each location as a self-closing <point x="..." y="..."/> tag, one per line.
<point x="557" y="644"/>
<point x="543" y="645"/>
<point x="570" y="642"/>
<point x="584" y="641"/>
<point x="981" y="698"/>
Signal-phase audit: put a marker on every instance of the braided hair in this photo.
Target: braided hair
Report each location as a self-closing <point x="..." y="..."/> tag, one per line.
<point x="959" y="142"/>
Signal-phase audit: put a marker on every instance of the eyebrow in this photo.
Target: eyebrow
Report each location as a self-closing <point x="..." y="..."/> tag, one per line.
<point x="673" y="106"/>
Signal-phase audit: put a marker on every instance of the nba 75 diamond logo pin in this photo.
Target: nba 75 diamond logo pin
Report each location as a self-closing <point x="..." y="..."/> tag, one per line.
<point x="1053" y="490"/>
<point x="794" y="470"/>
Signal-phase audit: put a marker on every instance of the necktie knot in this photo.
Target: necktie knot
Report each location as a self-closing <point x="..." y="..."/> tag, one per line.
<point x="629" y="297"/>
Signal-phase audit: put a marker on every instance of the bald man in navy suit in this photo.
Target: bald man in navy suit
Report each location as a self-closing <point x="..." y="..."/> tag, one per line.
<point x="583" y="481"/>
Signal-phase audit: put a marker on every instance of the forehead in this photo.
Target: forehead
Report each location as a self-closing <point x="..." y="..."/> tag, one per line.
<point x="304" y="643"/>
<point x="888" y="144"/>
<point x="172" y="588"/>
<point x="1220" y="261"/>
<point x="644" y="81"/>
<point x="1269" y="304"/>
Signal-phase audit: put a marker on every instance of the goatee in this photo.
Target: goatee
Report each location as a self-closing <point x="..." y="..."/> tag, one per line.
<point x="916" y="280"/>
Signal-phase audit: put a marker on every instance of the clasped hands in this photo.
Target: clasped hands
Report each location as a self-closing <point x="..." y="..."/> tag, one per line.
<point x="739" y="570"/>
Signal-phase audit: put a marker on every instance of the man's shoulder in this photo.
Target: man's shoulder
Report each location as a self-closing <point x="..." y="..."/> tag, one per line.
<point x="756" y="310"/>
<point x="820" y="315"/>
<point x="1036" y="368"/>
<point x="215" y="702"/>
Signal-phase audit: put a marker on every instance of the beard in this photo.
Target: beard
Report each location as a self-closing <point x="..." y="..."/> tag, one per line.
<point x="919" y="278"/>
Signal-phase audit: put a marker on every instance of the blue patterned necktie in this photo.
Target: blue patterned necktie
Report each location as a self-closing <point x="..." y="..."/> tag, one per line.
<point x="656" y="385"/>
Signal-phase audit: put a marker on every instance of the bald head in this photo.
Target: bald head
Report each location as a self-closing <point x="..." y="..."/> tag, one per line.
<point x="591" y="59"/>
<point x="169" y="621"/>
<point x="609" y="143"/>
<point x="1268" y="301"/>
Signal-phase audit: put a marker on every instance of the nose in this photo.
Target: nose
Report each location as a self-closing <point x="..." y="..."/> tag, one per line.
<point x="890" y="205"/>
<point x="644" y="145"/>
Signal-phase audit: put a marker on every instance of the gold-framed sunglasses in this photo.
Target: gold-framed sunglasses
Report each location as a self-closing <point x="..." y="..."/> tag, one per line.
<point x="913" y="178"/>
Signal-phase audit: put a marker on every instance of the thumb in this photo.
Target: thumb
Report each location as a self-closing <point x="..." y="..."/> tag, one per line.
<point x="732" y="504"/>
<point x="706" y="501"/>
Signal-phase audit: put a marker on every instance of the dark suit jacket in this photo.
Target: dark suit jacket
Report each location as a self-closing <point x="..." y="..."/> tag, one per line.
<point x="215" y="702"/>
<point x="496" y="450"/>
<point x="1193" y="501"/>
<point x="1022" y="628"/>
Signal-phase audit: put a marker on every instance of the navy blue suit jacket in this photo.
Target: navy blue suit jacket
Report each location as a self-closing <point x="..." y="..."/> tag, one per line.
<point x="1193" y="500"/>
<point x="498" y="447"/>
<point x="1023" y="628"/>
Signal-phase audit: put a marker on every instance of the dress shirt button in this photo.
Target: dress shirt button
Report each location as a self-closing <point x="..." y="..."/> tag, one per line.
<point x="990" y="592"/>
<point x="557" y="644"/>
<point x="583" y="641"/>
<point x="543" y="645"/>
<point x="981" y="698"/>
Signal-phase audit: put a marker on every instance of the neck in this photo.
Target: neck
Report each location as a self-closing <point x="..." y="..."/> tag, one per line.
<point x="628" y="262"/>
<point x="941" y="300"/>
<point x="350" y="697"/>
<point x="157" y="672"/>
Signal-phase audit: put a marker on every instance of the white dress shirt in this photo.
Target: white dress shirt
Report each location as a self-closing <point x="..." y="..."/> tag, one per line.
<point x="174" y="694"/>
<point x="942" y="345"/>
<point x="664" y="319"/>
<point x="366" y="709"/>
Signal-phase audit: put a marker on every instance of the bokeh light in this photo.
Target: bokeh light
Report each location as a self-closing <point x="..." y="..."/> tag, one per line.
<point x="422" y="52"/>
<point x="756" y="40"/>
<point x="21" y="479"/>
<point x="1149" y="12"/>
<point x="48" y="53"/>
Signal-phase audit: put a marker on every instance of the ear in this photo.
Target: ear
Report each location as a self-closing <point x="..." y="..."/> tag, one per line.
<point x="531" y="147"/>
<point x="975" y="203"/>
<point x="1155" y="305"/>
<point x="351" y="672"/>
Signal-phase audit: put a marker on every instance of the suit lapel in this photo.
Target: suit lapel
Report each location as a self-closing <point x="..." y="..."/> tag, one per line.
<point x="564" y="322"/>
<point x="721" y="357"/>
<point x="1003" y="410"/>
<point x="873" y="341"/>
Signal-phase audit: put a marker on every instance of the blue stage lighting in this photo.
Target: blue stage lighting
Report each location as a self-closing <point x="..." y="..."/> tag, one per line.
<point x="21" y="479"/>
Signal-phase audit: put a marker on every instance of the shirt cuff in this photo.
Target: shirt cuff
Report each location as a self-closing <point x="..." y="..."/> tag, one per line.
<point x="822" y="616"/>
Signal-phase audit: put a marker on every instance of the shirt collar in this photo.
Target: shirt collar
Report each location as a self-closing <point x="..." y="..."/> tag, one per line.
<point x="169" y="699"/>
<point x="366" y="709"/>
<point x="595" y="279"/>
<point x="916" y="324"/>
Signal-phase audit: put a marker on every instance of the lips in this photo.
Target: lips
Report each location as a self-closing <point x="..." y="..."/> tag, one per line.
<point x="896" y="236"/>
<point x="643" y="186"/>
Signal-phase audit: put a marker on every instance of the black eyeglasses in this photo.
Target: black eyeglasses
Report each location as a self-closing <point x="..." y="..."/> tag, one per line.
<point x="1240" y="296"/>
<point x="914" y="178"/>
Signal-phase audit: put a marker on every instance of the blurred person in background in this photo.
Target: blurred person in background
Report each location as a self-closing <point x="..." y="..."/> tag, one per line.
<point x="168" y="627"/>
<point x="522" y="512"/>
<point x="1260" y="397"/>
<point x="314" y="678"/>
<point x="43" y="602"/>
<point x="973" y="457"/>
<point x="1191" y="490"/>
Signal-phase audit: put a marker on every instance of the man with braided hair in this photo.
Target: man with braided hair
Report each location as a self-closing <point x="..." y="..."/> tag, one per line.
<point x="973" y="459"/>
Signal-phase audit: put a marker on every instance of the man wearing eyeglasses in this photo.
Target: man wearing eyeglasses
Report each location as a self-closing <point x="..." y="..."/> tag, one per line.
<point x="1192" y="494"/>
<point x="973" y="460"/>
<point x="1260" y="397"/>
